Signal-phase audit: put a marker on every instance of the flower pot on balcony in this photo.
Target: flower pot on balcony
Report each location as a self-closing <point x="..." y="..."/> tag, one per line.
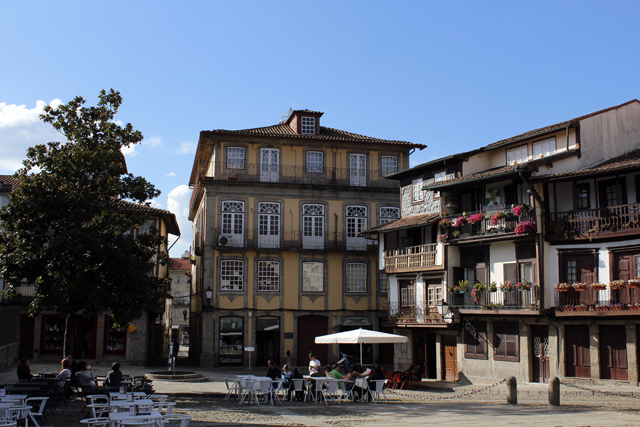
<point x="563" y="289"/>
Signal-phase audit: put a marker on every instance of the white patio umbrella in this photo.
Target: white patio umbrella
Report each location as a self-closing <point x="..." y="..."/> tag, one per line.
<point x="361" y="336"/>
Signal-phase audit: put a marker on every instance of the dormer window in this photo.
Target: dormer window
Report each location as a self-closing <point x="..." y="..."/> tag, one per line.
<point x="517" y="155"/>
<point x="308" y="125"/>
<point x="544" y="148"/>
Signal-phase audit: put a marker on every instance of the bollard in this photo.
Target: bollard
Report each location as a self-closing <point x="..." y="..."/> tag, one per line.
<point x="512" y="391"/>
<point x="554" y="391"/>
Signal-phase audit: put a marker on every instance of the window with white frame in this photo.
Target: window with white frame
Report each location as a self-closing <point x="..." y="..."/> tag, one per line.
<point x="637" y="266"/>
<point x="145" y="227"/>
<point x="383" y="283"/>
<point x="544" y="148"/>
<point x="231" y="275"/>
<point x="233" y="222"/>
<point x="312" y="276"/>
<point x="309" y="125"/>
<point x="417" y="193"/>
<point x="517" y="155"/>
<point x="235" y="158"/>
<point x="315" y="161"/>
<point x="434" y="295"/>
<point x="388" y="214"/>
<point x="439" y="177"/>
<point x="268" y="276"/>
<point x="408" y="296"/>
<point x="356" y="277"/>
<point x="389" y="165"/>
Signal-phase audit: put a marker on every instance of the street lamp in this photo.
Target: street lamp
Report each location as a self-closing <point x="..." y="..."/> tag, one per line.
<point x="184" y="313"/>
<point x="443" y="308"/>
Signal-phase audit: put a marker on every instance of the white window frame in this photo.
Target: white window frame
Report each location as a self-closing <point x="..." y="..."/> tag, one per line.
<point x="389" y="165"/>
<point x="544" y="148"/>
<point x="417" y="195"/>
<point x="356" y="277"/>
<point x="313" y="226"/>
<point x="388" y="214"/>
<point x="233" y="222"/>
<point x="439" y="177"/>
<point x="315" y="162"/>
<point x="383" y="283"/>
<point x="308" y="125"/>
<point x="312" y="277"/>
<point x="435" y="294"/>
<point x="231" y="275"/>
<point x="235" y="157"/>
<point x="268" y="276"/>
<point x="518" y="155"/>
<point x="269" y="225"/>
<point x="356" y="223"/>
<point x="408" y="296"/>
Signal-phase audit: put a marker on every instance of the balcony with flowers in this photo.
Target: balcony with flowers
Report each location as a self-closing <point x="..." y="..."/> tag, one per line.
<point x="617" y="298"/>
<point x="518" y="220"/>
<point x="505" y="298"/>
<point x="419" y="315"/>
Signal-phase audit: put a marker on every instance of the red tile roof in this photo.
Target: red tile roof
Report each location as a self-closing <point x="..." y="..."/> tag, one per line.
<point x="402" y="223"/>
<point x="169" y="218"/>
<point x="9" y="180"/>
<point x="179" y="264"/>
<point x="628" y="161"/>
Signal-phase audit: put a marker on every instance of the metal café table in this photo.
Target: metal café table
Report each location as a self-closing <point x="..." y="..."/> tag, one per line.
<point x="3" y="408"/>
<point x="123" y="396"/>
<point x="120" y="404"/>
<point x="21" y="397"/>
<point x="114" y="417"/>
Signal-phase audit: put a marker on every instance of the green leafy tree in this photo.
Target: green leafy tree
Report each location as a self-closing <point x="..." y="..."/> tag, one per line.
<point x="71" y="226"/>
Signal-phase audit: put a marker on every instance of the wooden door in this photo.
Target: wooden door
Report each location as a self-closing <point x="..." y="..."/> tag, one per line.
<point x="310" y="327"/>
<point x="577" y="354"/>
<point x="450" y="358"/>
<point x="613" y="353"/>
<point x="540" y="353"/>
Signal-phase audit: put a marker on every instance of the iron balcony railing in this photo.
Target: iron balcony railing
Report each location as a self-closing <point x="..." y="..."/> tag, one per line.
<point x="419" y="313"/>
<point x="626" y="299"/>
<point x="412" y="258"/>
<point x="506" y="224"/>
<point x="293" y="240"/>
<point x="588" y="221"/>
<point x="296" y="174"/>
<point x="500" y="300"/>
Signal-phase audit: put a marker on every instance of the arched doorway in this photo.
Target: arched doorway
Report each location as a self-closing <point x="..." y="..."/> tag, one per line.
<point x="309" y="327"/>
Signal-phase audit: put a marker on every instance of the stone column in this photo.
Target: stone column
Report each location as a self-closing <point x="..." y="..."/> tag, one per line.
<point x="632" y="357"/>
<point x="594" y="350"/>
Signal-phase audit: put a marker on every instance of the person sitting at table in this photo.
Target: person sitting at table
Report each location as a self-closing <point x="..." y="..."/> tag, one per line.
<point x="417" y="372"/>
<point x="286" y="376"/>
<point x="24" y="371"/>
<point x="85" y="378"/>
<point x="333" y="373"/>
<point x="296" y="375"/>
<point x="273" y="372"/>
<point x="356" y="372"/>
<point x="314" y="364"/>
<point x="114" y="376"/>
<point x="377" y="374"/>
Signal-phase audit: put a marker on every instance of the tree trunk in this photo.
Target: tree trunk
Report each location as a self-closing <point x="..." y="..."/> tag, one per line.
<point x="69" y="335"/>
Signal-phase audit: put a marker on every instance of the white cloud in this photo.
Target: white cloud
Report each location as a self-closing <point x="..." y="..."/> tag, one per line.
<point x="152" y="141"/>
<point x="188" y="147"/>
<point x="171" y="173"/>
<point x="21" y="128"/>
<point x="178" y="204"/>
<point x="129" y="151"/>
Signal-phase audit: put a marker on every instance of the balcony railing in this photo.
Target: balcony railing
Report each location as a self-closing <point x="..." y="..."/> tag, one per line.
<point x="589" y="221"/>
<point x="293" y="240"/>
<point x="499" y="300"/>
<point x="590" y="300"/>
<point x="412" y="258"/>
<point x="504" y="225"/>
<point x="419" y="313"/>
<point x="296" y="174"/>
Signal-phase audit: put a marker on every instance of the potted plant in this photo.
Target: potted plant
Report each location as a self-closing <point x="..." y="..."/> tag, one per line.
<point x="476" y="218"/>
<point x="463" y="285"/>
<point x="634" y="283"/>
<point x="475" y="293"/>
<point x="518" y="210"/>
<point x="443" y="238"/>
<point x="617" y="284"/>
<point x="456" y="234"/>
<point x="523" y="286"/>
<point x="506" y="286"/>
<point x="525" y="227"/>
<point x="460" y="221"/>
<point x="580" y="286"/>
<point x="598" y="286"/>
<point x="563" y="287"/>
<point x="492" y="287"/>
<point x="445" y="223"/>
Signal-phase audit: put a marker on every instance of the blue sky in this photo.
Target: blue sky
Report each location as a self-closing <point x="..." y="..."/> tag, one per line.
<point x="453" y="75"/>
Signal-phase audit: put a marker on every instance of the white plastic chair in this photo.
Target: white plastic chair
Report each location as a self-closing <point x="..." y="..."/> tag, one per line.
<point x="249" y="387"/>
<point x="278" y="386"/>
<point x="331" y="392"/>
<point x="96" y="422"/>
<point x="161" y="398"/>
<point x="8" y="423"/>
<point x="135" y="423"/>
<point x="298" y="386"/>
<point x="18" y="412"/>
<point x="174" y="419"/>
<point x="40" y="403"/>
<point x="166" y="406"/>
<point x="263" y="388"/>
<point x="99" y="410"/>
<point x="232" y="388"/>
<point x="377" y="390"/>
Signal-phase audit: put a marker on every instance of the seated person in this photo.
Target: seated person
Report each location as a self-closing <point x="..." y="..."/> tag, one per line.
<point x="24" y="372"/>
<point x="417" y="373"/>
<point x="314" y="364"/>
<point x="114" y="376"/>
<point x="286" y="376"/>
<point x="273" y="372"/>
<point x="299" y="394"/>
<point x="85" y="378"/>
<point x="356" y="372"/>
<point x="333" y="373"/>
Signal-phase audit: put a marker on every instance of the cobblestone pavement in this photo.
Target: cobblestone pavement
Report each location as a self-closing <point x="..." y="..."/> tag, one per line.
<point x="204" y="401"/>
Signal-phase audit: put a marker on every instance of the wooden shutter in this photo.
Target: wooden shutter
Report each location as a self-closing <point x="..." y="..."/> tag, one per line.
<point x="511" y="272"/>
<point x="586" y="269"/>
<point x="475" y="340"/>
<point x="624" y="267"/>
<point x="506" y="340"/>
<point x="481" y="273"/>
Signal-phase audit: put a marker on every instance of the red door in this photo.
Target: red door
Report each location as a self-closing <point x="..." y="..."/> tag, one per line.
<point x="310" y="327"/>
<point x="613" y="353"/>
<point x="577" y="356"/>
<point x="540" y="353"/>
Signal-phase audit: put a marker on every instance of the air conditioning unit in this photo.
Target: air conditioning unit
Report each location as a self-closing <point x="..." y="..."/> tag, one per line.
<point x="224" y="240"/>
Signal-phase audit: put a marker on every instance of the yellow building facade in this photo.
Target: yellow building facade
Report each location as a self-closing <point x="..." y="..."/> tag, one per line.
<point x="277" y="254"/>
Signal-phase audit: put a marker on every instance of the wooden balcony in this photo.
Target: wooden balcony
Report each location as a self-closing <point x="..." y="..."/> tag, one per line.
<point x="414" y="258"/>
<point x="486" y="228"/>
<point x="504" y="302"/>
<point x="589" y="302"/>
<point x="418" y="315"/>
<point x="600" y="223"/>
